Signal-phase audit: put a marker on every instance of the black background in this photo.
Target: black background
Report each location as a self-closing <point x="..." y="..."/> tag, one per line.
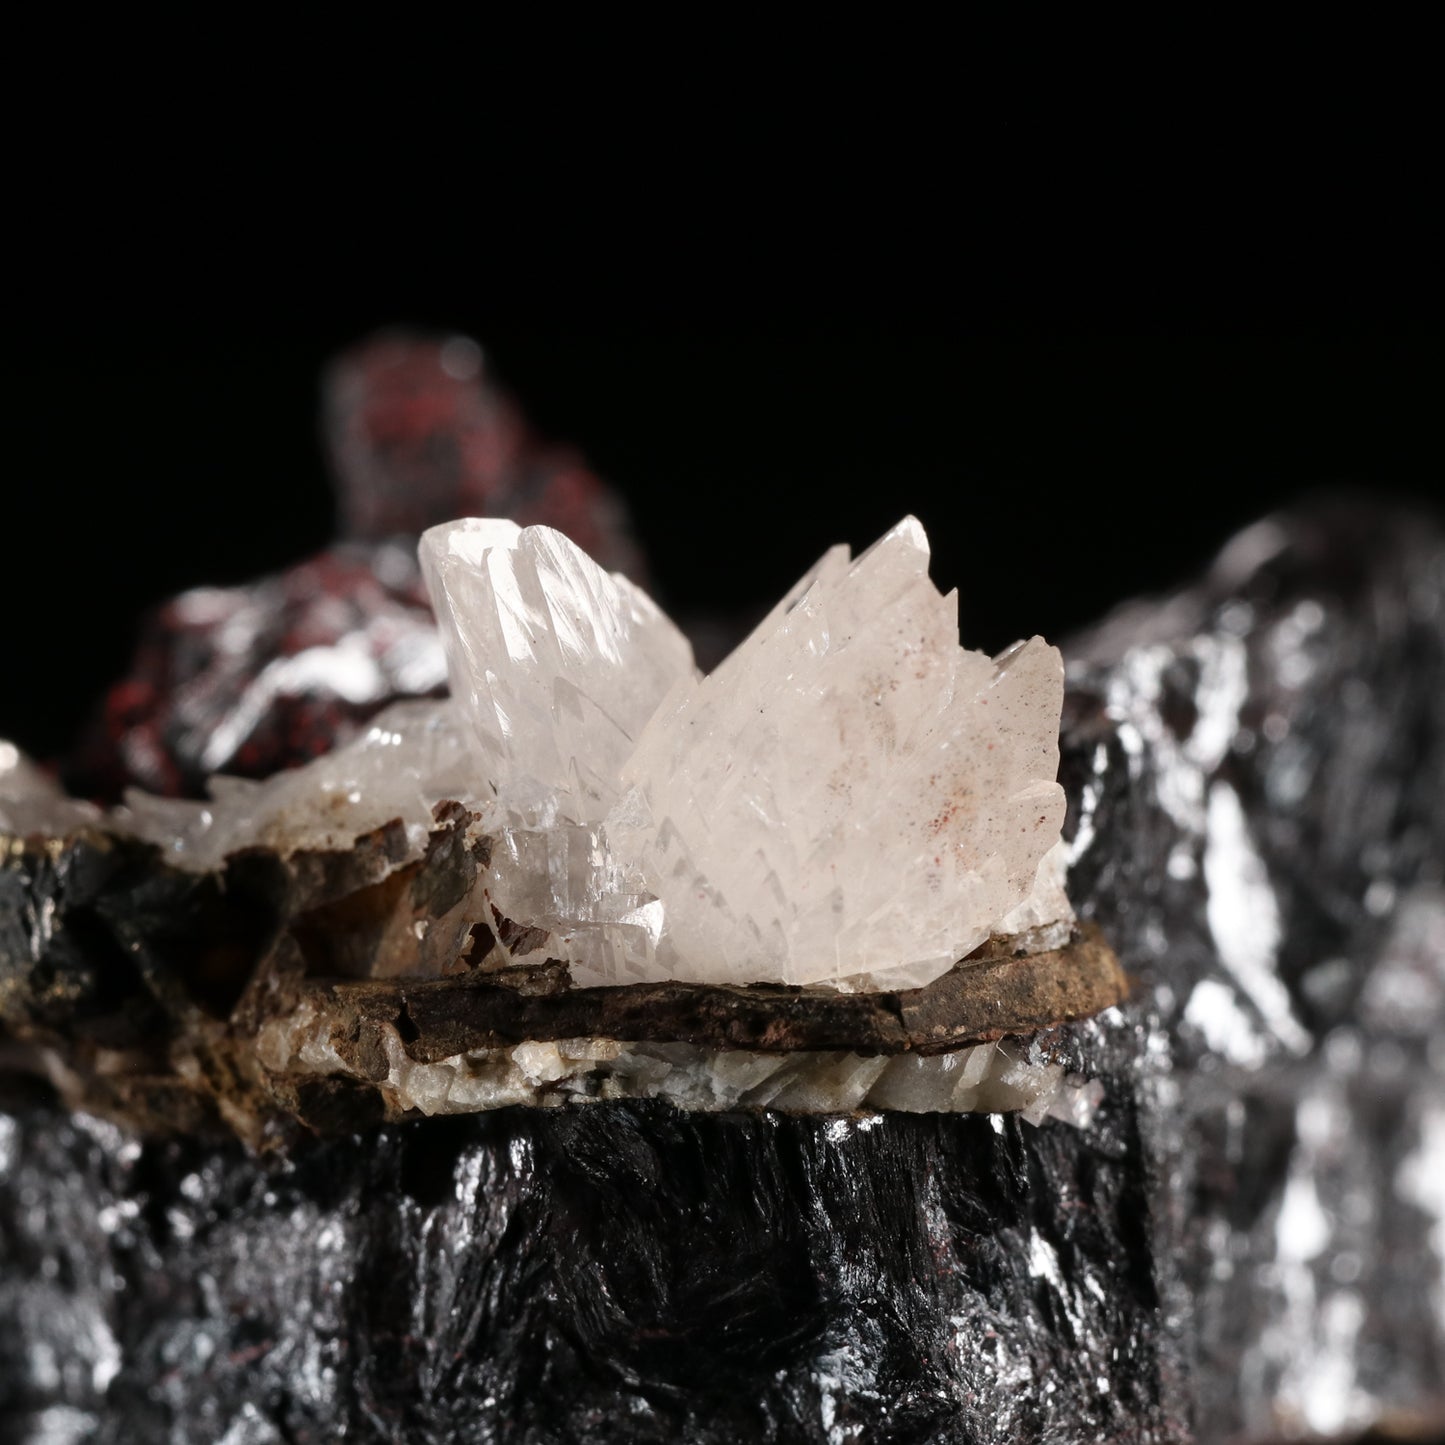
<point x="1084" y="332"/>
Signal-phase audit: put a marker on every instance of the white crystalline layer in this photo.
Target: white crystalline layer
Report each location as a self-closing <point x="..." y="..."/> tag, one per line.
<point x="558" y="664"/>
<point x="987" y="1078"/>
<point x="30" y="802"/>
<point x="851" y="798"/>
<point x="412" y="756"/>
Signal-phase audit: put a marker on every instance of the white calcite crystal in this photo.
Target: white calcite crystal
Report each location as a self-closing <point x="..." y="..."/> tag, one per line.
<point x="851" y="800"/>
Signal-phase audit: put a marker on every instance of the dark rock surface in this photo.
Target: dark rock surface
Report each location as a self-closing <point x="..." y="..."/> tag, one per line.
<point x="603" y="1274"/>
<point x="1247" y="1243"/>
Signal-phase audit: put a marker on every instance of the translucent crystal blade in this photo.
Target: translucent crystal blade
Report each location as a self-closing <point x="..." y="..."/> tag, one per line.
<point x="556" y="663"/>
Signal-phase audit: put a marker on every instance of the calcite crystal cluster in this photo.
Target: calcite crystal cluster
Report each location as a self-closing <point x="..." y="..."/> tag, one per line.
<point x="850" y="799"/>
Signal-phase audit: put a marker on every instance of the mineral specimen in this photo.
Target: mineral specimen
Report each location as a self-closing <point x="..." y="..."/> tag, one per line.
<point x="1245" y="1242"/>
<point x="346" y="978"/>
<point x="471" y="905"/>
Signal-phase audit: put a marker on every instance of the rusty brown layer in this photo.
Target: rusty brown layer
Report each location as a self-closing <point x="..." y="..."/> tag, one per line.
<point x="988" y="995"/>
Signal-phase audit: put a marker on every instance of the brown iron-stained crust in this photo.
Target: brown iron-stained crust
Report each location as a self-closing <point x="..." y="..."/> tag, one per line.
<point x="990" y="994"/>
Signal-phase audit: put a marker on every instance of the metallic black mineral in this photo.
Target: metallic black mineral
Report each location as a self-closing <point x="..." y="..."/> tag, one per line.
<point x="1247" y="1243"/>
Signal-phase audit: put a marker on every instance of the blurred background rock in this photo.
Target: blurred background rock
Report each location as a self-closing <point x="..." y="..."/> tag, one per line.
<point x="1057" y="470"/>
